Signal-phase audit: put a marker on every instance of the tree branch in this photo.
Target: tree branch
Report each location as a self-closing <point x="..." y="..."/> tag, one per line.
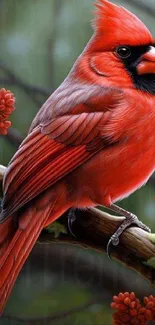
<point x="31" y="90"/>
<point x="36" y="93"/>
<point x="93" y="228"/>
<point x="12" y="77"/>
<point x="14" y="137"/>
<point x="55" y="317"/>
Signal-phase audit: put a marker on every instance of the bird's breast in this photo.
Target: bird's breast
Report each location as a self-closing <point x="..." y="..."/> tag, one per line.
<point x="118" y="170"/>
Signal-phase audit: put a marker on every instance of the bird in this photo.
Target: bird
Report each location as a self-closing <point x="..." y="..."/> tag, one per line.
<point x="90" y="144"/>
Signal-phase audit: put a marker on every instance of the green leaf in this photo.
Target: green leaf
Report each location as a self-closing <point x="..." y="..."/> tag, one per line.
<point x="56" y="229"/>
<point x="150" y="262"/>
<point x="152" y="238"/>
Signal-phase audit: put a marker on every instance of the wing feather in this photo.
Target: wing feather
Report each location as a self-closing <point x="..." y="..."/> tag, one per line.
<point x="83" y="128"/>
<point x="50" y="152"/>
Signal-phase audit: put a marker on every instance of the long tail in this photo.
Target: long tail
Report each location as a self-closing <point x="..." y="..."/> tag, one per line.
<point x="15" y="246"/>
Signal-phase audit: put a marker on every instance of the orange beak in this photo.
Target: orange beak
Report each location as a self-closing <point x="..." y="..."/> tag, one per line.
<point x="147" y="64"/>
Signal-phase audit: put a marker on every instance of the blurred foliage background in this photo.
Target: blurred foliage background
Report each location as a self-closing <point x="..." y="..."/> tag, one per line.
<point x="40" y="40"/>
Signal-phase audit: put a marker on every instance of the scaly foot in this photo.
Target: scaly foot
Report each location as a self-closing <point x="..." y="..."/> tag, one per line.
<point x="130" y="219"/>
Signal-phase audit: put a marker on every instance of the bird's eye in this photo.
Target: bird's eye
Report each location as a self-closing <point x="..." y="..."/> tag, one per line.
<point x="124" y="52"/>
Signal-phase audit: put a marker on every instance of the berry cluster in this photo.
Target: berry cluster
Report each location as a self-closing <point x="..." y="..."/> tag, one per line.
<point x="149" y="303"/>
<point x="7" y="101"/>
<point x="129" y="310"/>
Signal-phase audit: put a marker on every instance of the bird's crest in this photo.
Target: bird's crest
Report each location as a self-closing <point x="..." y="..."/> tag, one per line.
<point x="119" y="25"/>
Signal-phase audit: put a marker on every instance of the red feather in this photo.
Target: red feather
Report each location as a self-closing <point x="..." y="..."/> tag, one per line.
<point x="91" y="143"/>
<point x="116" y="26"/>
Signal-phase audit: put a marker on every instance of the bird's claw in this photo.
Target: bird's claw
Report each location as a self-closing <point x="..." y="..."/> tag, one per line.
<point x="71" y="219"/>
<point x="114" y="240"/>
<point x="143" y="226"/>
<point x="130" y="219"/>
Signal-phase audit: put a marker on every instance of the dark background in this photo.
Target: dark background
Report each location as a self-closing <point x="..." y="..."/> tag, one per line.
<point x="40" y="40"/>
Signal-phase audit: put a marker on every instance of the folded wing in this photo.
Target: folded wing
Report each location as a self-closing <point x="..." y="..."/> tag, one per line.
<point x="51" y="151"/>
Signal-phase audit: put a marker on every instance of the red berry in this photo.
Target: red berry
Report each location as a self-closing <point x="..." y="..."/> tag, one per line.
<point x="127" y="301"/>
<point x="7" y="101"/>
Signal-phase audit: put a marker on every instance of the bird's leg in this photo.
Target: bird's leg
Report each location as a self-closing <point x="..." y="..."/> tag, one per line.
<point x="71" y="218"/>
<point x="130" y="219"/>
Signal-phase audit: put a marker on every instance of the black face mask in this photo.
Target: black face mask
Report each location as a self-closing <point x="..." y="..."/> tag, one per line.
<point x="131" y="56"/>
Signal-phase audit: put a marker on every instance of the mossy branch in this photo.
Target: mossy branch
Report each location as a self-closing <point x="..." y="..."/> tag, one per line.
<point x="93" y="228"/>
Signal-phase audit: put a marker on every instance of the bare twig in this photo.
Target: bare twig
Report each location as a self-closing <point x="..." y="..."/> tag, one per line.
<point x="32" y="91"/>
<point x="93" y="229"/>
<point x="27" y="87"/>
<point x="36" y="93"/>
<point x="14" y="137"/>
<point x="16" y="80"/>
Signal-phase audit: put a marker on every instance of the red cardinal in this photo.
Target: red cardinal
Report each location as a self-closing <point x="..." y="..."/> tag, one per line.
<point x="92" y="142"/>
